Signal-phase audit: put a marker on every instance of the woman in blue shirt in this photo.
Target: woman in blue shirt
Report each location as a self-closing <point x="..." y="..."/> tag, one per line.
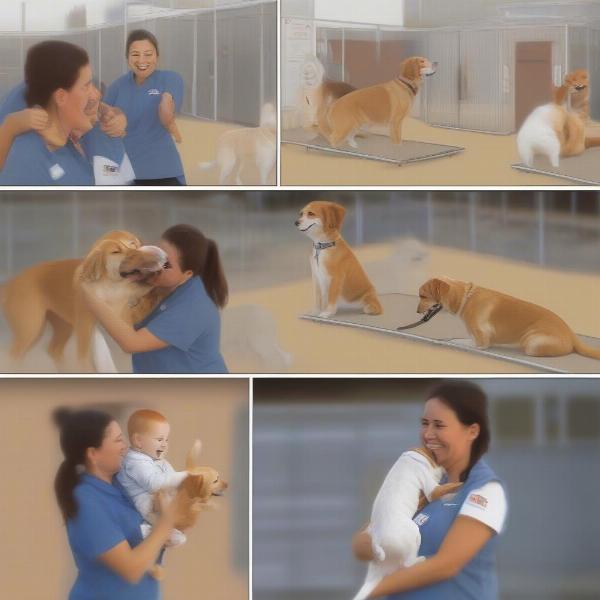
<point x="183" y="331"/>
<point x="459" y="533"/>
<point x="103" y="525"/>
<point x="149" y="98"/>
<point x="58" y="78"/>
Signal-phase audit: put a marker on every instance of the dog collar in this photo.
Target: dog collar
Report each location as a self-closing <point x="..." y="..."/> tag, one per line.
<point x="408" y="83"/>
<point x="318" y="246"/>
<point x="468" y="293"/>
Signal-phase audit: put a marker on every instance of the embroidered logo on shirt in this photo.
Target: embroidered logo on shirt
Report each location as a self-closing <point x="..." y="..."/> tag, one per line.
<point x="478" y="500"/>
<point x="421" y="519"/>
<point x="56" y="171"/>
<point x="153" y="92"/>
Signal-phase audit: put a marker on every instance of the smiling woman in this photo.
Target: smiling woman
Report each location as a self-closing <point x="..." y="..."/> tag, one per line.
<point x="149" y="98"/>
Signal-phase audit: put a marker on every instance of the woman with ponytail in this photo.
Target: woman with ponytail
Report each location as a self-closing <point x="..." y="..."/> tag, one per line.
<point x="459" y="533"/>
<point x="103" y="525"/>
<point x="183" y="332"/>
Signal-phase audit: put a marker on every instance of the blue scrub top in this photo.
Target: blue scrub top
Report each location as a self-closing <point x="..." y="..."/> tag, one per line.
<point x="109" y="162"/>
<point x="105" y="517"/>
<point x="149" y="145"/>
<point x="477" y="580"/>
<point x="190" y="323"/>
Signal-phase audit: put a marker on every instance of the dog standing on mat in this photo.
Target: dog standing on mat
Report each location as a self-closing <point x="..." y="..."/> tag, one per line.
<point x="395" y="537"/>
<point x="337" y="274"/>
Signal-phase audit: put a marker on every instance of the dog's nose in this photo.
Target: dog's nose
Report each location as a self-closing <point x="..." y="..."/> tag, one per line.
<point x="296" y="223"/>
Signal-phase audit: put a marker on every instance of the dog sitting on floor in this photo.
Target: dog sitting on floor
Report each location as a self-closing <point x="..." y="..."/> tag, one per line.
<point x="494" y="318"/>
<point x="337" y="274"/>
<point x="252" y="145"/>
<point x="395" y="537"/>
<point x="386" y="103"/>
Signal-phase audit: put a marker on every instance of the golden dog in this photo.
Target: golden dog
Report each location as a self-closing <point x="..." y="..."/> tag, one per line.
<point x="337" y="274"/>
<point x="385" y="103"/>
<point x="48" y="293"/>
<point x="495" y="318"/>
<point x="575" y="89"/>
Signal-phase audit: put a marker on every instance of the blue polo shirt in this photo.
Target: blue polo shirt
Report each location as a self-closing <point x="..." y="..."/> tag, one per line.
<point x="105" y="517"/>
<point x="149" y="145"/>
<point x="190" y="323"/>
<point x="109" y="161"/>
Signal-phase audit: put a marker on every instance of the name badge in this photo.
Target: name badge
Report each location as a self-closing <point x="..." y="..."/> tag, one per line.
<point x="153" y="92"/>
<point x="56" y="171"/>
<point x="110" y="169"/>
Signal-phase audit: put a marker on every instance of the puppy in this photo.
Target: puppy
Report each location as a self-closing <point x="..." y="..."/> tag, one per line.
<point x="494" y="318"/>
<point x="45" y="294"/>
<point x="576" y="92"/>
<point x="554" y="131"/>
<point x="337" y="274"/>
<point x="395" y="537"/>
<point x="385" y="103"/>
<point x="256" y="145"/>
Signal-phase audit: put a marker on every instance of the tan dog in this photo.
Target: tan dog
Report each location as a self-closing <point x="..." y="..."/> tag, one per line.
<point x="385" y="103"/>
<point x="255" y="145"/>
<point x="337" y="274"/>
<point x="495" y="318"/>
<point x="576" y="91"/>
<point x="44" y="293"/>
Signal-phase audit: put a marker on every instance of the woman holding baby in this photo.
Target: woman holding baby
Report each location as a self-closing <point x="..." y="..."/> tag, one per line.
<point x="103" y="525"/>
<point x="458" y="533"/>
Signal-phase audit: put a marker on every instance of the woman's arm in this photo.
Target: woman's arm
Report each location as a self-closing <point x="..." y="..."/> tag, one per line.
<point x="17" y="123"/>
<point x="132" y="563"/>
<point x="464" y="540"/>
<point x="123" y="333"/>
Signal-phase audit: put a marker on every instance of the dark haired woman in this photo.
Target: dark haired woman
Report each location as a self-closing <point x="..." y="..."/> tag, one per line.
<point x="58" y="78"/>
<point x="182" y="334"/>
<point x="458" y="534"/>
<point x="103" y="525"/>
<point x="149" y="97"/>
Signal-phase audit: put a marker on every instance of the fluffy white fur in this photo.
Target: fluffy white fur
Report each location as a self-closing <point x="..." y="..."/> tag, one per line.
<point x="395" y="536"/>
<point x="537" y="136"/>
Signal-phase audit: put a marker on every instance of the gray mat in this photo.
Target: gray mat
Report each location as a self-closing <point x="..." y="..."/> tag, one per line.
<point x="372" y="147"/>
<point x="449" y="331"/>
<point x="583" y="169"/>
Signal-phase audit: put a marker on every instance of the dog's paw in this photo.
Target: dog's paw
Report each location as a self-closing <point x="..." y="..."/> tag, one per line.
<point x="326" y="314"/>
<point x="352" y="143"/>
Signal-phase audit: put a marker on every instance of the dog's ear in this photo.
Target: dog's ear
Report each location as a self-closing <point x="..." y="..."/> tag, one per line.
<point x="411" y="68"/>
<point x="93" y="267"/>
<point x="334" y="216"/>
<point x="434" y="289"/>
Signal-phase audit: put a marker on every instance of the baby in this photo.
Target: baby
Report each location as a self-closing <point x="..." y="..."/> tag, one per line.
<point x="145" y="471"/>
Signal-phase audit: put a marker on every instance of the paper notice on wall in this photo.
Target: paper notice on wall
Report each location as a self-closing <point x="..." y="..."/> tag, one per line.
<point x="298" y="42"/>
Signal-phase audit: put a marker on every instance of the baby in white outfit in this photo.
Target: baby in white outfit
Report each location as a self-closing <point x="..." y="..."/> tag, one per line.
<point x="145" y="471"/>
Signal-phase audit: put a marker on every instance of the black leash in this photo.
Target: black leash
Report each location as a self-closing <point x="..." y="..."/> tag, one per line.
<point x="434" y="310"/>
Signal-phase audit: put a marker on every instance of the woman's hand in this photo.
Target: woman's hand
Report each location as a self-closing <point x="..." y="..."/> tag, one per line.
<point x="29" y="119"/>
<point x="362" y="546"/>
<point x="113" y="121"/>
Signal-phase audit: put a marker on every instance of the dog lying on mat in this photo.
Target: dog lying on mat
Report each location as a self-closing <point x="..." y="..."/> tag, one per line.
<point x="337" y="274"/>
<point x="494" y="318"/>
<point x="395" y="537"/>
<point x="384" y="104"/>
<point x="117" y="264"/>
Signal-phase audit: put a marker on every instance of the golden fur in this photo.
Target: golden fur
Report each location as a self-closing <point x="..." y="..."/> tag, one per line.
<point x="48" y="293"/>
<point x="385" y="103"/>
<point x="575" y="89"/>
<point x="494" y="318"/>
<point x="337" y="274"/>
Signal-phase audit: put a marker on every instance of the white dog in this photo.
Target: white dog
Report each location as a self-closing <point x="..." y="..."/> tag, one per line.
<point x="538" y="136"/>
<point x="394" y="535"/>
<point x="256" y="145"/>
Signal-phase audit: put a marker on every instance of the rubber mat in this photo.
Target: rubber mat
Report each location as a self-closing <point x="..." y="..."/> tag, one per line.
<point x="373" y="147"/>
<point x="448" y="330"/>
<point x="581" y="169"/>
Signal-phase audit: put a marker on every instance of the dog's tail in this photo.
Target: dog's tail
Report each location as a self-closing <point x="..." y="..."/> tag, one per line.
<point x="375" y="574"/>
<point x="584" y="349"/>
<point x="193" y="457"/>
<point x="205" y="166"/>
<point x="371" y="303"/>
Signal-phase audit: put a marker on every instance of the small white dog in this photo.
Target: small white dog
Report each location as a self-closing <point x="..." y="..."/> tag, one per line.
<point x="257" y="145"/>
<point x="395" y="537"/>
<point x="538" y="136"/>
